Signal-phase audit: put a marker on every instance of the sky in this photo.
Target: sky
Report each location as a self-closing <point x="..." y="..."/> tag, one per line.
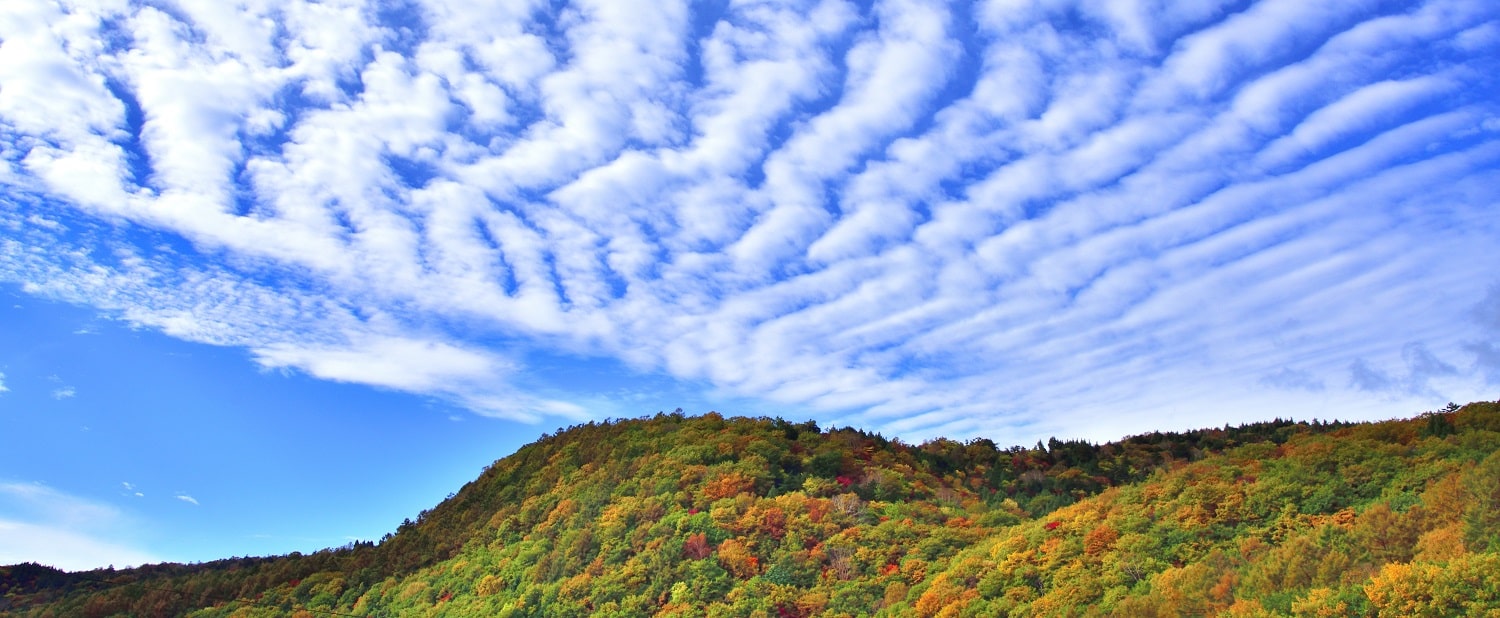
<point x="275" y="275"/>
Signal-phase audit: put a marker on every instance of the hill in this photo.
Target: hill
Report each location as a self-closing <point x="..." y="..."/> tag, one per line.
<point x="708" y="516"/>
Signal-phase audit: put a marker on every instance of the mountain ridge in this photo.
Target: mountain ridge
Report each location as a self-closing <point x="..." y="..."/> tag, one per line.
<point x="686" y="516"/>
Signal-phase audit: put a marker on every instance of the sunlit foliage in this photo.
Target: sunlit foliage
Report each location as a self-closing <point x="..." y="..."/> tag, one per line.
<point x="708" y="516"/>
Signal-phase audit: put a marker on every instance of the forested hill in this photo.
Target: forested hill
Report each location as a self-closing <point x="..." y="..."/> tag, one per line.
<point x="708" y="516"/>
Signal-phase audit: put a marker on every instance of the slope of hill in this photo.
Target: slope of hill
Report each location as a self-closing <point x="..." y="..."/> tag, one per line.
<point x="707" y="516"/>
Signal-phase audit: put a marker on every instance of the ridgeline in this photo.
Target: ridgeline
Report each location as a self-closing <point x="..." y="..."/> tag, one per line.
<point x="708" y="516"/>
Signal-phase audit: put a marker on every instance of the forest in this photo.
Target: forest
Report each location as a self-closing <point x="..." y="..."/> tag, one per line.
<point x="705" y="516"/>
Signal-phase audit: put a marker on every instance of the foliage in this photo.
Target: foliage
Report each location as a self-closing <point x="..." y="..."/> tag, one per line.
<point x="708" y="516"/>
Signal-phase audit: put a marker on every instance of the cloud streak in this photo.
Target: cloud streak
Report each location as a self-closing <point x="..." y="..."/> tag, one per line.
<point x="42" y="524"/>
<point x="926" y="216"/>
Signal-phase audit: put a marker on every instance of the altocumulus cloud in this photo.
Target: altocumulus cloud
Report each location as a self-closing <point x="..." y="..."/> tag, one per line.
<point x="920" y="215"/>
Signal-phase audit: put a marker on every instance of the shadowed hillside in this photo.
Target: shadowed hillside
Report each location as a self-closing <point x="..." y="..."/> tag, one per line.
<point x="707" y="516"/>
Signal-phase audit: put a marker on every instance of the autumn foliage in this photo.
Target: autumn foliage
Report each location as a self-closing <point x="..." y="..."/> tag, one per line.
<point x="709" y="516"/>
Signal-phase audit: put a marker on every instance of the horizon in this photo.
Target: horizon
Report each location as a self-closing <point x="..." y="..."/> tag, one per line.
<point x="242" y="247"/>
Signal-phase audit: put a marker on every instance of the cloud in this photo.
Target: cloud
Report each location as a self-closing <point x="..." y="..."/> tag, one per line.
<point x="44" y="501"/>
<point x="66" y="392"/>
<point x="188" y="499"/>
<point x="3" y="388"/>
<point x="1423" y="366"/>
<point x="1487" y="311"/>
<point x="1293" y="379"/>
<point x="65" y="549"/>
<point x="473" y="378"/>
<point x="914" y="214"/>
<point x="1486" y="360"/>
<point x="41" y="524"/>
<point x="1354" y="114"/>
<point x="1366" y="378"/>
<point x="405" y="364"/>
<point x="131" y="490"/>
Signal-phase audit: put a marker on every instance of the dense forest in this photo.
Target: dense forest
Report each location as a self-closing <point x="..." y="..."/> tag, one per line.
<point x="711" y="516"/>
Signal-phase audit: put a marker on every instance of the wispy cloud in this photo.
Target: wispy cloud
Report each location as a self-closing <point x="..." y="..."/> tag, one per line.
<point x="63" y="390"/>
<point x="924" y="215"/>
<point x="1486" y="360"/>
<point x="188" y="499"/>
<point x="1486" y="313"/>
<point x="1369" y="379"/>
<point x="1293" y="379"/>
<point x="1423" y="367"/>
<point x="42" y="524"/>
<point x="3" y="388"/>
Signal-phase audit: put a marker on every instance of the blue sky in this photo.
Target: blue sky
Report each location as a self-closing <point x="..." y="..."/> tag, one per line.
<point x="278" y="274"/>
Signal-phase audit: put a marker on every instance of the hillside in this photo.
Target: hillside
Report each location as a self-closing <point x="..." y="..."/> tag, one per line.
<point x="707" y="516"/>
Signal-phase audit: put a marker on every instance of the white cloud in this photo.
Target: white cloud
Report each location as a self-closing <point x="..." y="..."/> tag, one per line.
<point x="895" y="212"/>
<point x="3" y="388"/>
<point x="188" y="499"/>
<point x="1352" y="114"/>
<point x="44" y="525"/>
<point x="66" y="392"/>
<point x="396" y="363"/>
<point x="65" y="549"/>
<point x="472" y="378"/>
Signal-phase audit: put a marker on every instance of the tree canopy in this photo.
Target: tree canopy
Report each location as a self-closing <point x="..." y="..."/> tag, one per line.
<point x="711" y="516"/>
